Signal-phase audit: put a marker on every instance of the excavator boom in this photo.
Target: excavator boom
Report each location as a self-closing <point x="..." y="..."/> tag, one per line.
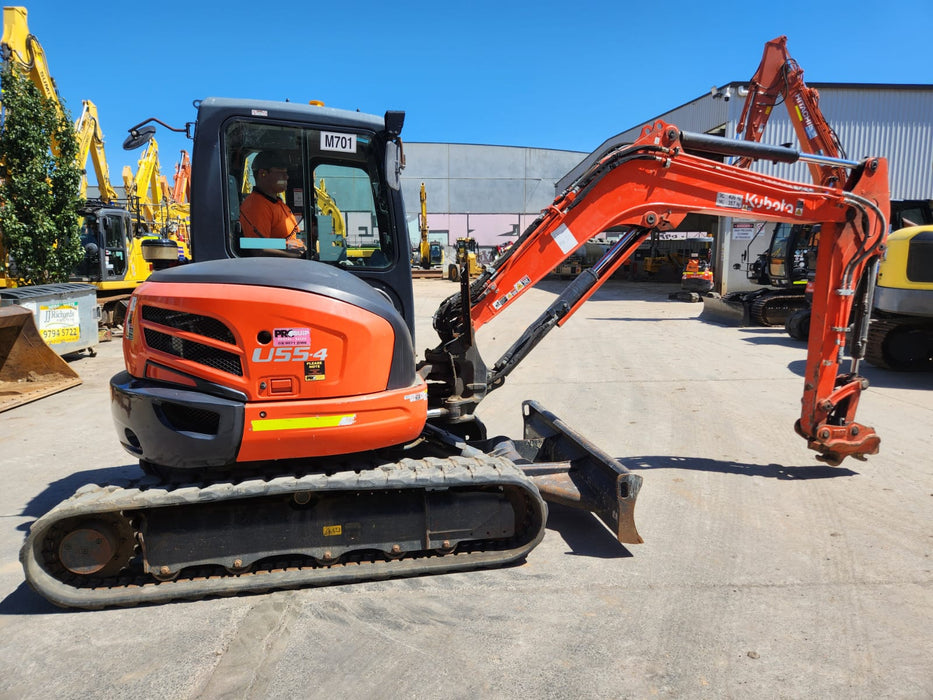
<point x="21" y="48"/>
<point x="91" y="143"/>
<point x="144" y="186"/>
<point x="652" y="185"/>
<point x="181" y="183"/>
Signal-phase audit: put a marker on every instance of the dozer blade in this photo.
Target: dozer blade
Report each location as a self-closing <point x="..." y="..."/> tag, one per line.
<point x="726" y="311"/>
<point x="570" y="470"/>
<point x="29" y="369"/>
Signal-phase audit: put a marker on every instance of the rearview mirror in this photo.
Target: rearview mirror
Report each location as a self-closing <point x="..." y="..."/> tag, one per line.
<point x="395" y="162"/>
<point x="138" y="137"/>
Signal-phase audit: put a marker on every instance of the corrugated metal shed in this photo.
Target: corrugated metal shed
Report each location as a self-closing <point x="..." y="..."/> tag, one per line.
<point x="891" y="121"/>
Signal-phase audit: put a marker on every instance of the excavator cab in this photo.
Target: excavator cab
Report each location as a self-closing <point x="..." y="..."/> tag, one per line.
<point x="342" y="189"/>
<point x="791" y="254"/>
<point x="104" y="235"/>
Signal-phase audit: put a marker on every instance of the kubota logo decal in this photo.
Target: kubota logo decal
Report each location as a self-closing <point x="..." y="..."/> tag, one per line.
<point x="757" y="201"/>
<point x="750" y="201"/>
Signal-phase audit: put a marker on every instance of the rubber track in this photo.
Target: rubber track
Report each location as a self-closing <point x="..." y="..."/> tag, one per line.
<point x="774" y="310"/>
<point x="878" y="333"/>
<point x="135" y="589"/>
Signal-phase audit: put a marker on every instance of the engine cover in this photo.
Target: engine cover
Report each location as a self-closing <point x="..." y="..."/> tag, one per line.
<point x="291" y="357"/>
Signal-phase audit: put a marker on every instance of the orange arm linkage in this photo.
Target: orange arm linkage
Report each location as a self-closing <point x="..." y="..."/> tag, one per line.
<point x="653" y="184"/>
<point x="779" y="77"/>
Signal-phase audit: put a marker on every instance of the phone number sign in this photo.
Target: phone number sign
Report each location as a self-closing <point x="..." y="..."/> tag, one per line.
<point x="60" y="323"/>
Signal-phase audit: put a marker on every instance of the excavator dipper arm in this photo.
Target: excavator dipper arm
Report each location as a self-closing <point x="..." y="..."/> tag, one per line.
<point x="780" y="78"/>
<point x="653" y="184"/>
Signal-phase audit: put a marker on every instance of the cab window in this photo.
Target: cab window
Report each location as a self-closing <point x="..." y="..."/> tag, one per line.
<point x="319" y="189"/>
<point x="115" y="245"/>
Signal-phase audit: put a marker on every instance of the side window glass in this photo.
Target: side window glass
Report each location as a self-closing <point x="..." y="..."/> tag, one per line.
<point x="346" y="218"/>
<point x="115" y="251"/>
<point x="300" y="192"/>
<point x="265" y="190"/>
<point x="779" y="251"/>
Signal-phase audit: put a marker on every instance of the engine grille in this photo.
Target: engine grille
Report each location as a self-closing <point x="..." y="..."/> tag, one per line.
<point x="192" y="323"/>
<point x="194" y="351"/>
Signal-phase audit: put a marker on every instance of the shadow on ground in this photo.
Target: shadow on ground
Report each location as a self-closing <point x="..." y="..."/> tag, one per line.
<point x="25" y="601"/>
<point x="878" y="377"/>
<point x="769" y="471"/>
<point x="642" y="319"/>
<point x="584" y="533"/>
<point x="771" y="336"/>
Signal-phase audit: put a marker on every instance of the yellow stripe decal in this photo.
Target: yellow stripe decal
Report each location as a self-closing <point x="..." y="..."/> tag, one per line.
<point x="303" y="423"/>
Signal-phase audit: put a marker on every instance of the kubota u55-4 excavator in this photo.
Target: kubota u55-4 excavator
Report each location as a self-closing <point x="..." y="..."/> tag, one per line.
<point x="279" y="400"/>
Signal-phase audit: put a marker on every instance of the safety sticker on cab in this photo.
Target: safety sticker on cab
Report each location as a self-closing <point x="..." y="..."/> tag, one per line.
<point x="314" y="371"/>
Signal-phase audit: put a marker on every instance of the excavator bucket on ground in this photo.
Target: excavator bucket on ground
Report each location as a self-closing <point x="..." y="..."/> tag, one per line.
<point x="29" y="369"/>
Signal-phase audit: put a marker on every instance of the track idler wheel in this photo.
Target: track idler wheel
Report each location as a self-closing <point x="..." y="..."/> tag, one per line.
<point x="94" y="547"/>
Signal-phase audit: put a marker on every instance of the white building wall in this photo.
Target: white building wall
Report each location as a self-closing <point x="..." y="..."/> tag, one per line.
<point x="490" y="193"/>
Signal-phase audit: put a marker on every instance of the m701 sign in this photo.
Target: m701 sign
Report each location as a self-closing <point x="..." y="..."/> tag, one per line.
<point x="344" y="143"/>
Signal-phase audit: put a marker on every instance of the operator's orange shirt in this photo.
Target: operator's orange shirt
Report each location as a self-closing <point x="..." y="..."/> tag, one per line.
<point x="268" y="217"/>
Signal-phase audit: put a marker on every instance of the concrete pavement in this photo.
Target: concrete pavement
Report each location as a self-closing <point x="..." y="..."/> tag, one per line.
<point x="763" y="572"/>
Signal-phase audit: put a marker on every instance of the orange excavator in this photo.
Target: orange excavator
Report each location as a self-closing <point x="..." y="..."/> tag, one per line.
<point x="290" y="437"/>
<point x="782" y="270"/>
<point x="779" y="77"/>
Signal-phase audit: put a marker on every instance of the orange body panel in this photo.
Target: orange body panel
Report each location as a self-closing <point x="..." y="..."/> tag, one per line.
<point x="289" y="429"/>
<point x="314" y="369"/>
<point x="317" y="360"/>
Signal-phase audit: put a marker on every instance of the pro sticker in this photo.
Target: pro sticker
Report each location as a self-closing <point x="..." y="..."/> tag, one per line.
<point x="291" y="337"/>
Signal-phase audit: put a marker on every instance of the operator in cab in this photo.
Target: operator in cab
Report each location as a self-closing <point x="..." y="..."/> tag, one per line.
<point x="264" y="214"/>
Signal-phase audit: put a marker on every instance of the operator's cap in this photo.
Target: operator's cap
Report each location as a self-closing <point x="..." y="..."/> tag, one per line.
<point x="270" y="159"/>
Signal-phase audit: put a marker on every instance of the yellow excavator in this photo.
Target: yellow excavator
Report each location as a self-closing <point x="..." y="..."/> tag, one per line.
<point x="332" y="241"/>
<point x="158" y="208"/>
<point x="91" y="144"/>
<point x="900" y="336"/>
<point x="467" y="262"/>
<point x="431" y="253"/>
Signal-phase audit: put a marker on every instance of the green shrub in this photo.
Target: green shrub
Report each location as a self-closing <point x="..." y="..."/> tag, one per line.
<point x="39" y="201"/>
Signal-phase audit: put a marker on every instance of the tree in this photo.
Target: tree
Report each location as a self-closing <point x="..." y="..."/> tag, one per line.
<point x="39" y="200"/>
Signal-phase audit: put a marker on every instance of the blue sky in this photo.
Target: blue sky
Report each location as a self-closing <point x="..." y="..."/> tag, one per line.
<point x="546" y="74"/>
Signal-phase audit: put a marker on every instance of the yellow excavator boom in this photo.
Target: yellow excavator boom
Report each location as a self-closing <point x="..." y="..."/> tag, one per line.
<point x="22" y="49"/>
<point x="91" y="143"/>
